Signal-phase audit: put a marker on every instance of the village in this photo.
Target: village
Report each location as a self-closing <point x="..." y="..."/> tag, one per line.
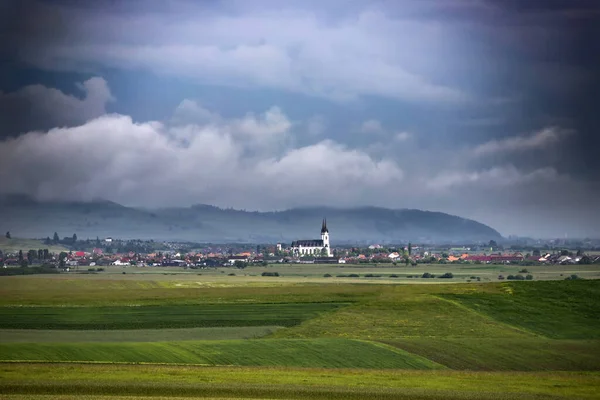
<point x="114" y="253"/>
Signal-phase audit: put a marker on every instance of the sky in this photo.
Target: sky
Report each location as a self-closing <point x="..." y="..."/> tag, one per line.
<point x="479" y="108"/>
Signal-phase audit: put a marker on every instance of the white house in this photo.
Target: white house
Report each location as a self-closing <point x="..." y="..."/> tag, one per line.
<point x="313" y="247"/>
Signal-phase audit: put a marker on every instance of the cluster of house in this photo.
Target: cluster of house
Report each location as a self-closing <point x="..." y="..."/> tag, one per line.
<point x="97" y="259"/>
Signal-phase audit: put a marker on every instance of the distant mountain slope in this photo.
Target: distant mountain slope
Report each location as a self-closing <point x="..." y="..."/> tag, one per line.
<point x="25" y="217"/>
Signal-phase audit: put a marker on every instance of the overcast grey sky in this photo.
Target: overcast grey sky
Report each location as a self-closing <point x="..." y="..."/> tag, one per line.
<point x="479" y="108"/>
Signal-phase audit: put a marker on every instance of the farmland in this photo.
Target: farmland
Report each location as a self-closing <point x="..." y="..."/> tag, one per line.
<point x="219" y="336"/>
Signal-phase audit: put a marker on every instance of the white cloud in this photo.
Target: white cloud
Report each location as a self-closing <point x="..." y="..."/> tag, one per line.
<point x="154" y="164"/>
<point x="539" y="140"/>
<point x="40" y="107"/>
<point x="503" y="176"/>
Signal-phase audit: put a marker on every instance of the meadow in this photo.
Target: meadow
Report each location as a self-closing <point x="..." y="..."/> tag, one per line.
<point x="219" y="336"/>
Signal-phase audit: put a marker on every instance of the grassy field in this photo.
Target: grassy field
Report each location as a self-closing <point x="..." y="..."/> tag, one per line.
<point x="561" y="310"/>
<point x="323" y="353"/>
<point x="157" y="317"/>
<point x="444" y="340"/>
<point x="507" y="354"/>
<point x="160" y="381"/>
<point x="133" y="335"/>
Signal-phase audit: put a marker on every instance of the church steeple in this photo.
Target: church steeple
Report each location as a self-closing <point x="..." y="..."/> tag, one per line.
<point x="324" y="226"/>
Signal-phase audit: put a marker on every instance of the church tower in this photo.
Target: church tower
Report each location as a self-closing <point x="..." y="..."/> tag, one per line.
<point x="325" y="237"/>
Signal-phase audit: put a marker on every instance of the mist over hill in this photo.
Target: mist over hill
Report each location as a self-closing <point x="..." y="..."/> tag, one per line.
<point x="26" y="217"/>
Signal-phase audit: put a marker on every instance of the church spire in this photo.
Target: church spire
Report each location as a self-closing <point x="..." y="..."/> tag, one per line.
<point x="324" y="226"/>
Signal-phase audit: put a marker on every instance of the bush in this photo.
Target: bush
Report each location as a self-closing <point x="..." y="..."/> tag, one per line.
<point x="99" y="269"/>
<point x="327" y="276"/>
<point x="529" y="277"/>
<point x="393" y="276"/>
<point x="353" y="276"/>
<point x="232" y="274"/>
<point x="447" y="275"/>
<point x="372" y="276"/>
<point x="427" y="275"/>
<point x="524" y="271"/>
<point x="572" y="278"/>
<point x="472" y="277"/>
<point x="270" y="274"/>
<point x="516" y="277"/>
<point x="501" y="277"/>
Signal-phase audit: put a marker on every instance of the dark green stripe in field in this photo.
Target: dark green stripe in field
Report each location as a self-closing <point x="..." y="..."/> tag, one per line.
<point x="322" y="353"/>
<point x="558" y="310"/>
<point x="157" y="317"/>
<point x="509" y="354"/>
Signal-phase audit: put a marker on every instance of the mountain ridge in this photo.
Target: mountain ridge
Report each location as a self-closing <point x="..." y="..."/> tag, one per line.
<point x="24" y="216"/>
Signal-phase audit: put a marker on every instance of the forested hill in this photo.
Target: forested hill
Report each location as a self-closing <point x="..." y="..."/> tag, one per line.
<point x="25" y="217"/>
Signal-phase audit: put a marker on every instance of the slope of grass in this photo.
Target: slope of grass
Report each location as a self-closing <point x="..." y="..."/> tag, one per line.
<point x="154" y="381"/>
<point x="555" y="309"/>
<point x="134" y="335"/>
<point x="155" y="317"/>
<point x="402" y="316"/>
<point x="324" y="353"/>
<point x="530" y="354"/>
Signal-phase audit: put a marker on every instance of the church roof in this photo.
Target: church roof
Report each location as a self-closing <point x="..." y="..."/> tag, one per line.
<point x="308" y="243"/>
<point x="324" y="226"/>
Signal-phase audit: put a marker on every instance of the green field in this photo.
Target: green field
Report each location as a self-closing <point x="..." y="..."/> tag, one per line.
<point x="323" y="353"/>
<point x="561" y="310"/>
<point x="133" y="335"/>
<point x="18" y="381"/>
<point x="157" y="317"/>
<point x="507" y="354"/>
<point x="215" y="336"/>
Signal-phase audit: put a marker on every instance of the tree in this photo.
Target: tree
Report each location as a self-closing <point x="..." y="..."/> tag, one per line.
<point x="31" y="254"/>
<point x="8" y="235"/>
<point x="46" y="255"/>
<point x="47" y="240"/>
<point x="56" y="239"/>
<point x="61" y="258"/>
<point x="324" y="252"/>
<point x="409" y="248"/>
<point x="74" y="238"/>
<point x="493" y="244"/>
<point x="40" y="254"/>
<point x="20" y="256"/>
<point x="239" y="264"/>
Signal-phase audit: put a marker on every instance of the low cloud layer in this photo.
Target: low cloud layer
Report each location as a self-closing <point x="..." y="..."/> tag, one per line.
<point x="538" y="141"/>
<point x="242" y="162"/>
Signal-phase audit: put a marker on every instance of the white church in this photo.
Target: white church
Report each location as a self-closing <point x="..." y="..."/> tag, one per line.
<point x="318" y="248"/>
